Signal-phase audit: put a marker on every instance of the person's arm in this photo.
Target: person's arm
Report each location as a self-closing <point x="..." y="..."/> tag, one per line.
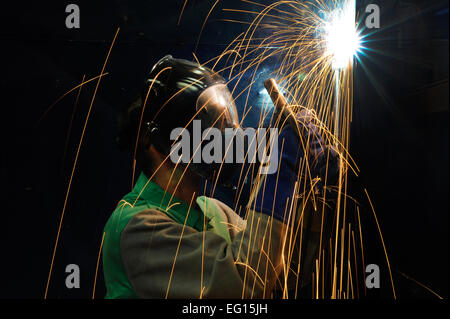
<point x="278" y="196"/>
<point x="165" y="259"/>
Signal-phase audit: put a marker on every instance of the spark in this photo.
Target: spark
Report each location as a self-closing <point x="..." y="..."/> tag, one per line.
<point x="98" y="263"/>
<point x="75" y="164"/>
<point x="342" y="38"/>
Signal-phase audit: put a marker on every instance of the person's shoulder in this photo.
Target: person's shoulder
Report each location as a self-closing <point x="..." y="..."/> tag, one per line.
<point x="152" y="215"/>
<point x="152" y="222"/>
<point x="124" y="212"/>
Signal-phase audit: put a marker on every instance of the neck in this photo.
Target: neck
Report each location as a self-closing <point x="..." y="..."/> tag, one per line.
<point x="183" y="185"/>
<point x="174" y="180"/>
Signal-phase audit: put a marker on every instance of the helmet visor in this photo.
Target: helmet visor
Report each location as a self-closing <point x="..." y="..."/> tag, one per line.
<point x="216" y="108"/>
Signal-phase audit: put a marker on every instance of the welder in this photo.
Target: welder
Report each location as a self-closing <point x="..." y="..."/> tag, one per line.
<point x="164" y="240"/>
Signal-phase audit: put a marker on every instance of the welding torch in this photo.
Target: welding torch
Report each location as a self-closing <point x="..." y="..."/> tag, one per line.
<point x="284" y="111"/>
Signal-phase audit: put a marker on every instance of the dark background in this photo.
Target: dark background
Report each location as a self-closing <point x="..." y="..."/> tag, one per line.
<point x="399" y="130"/>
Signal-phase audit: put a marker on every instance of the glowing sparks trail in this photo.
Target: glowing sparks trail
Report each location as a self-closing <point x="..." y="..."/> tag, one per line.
<point x="342" y="43"/>
<point x="75" y="165"/>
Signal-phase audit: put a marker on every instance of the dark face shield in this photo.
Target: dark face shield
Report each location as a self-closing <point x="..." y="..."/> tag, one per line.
<point x="216" y="108"/>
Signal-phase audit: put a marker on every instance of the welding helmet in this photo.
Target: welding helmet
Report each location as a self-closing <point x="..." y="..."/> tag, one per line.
<point x="179" y="92"/>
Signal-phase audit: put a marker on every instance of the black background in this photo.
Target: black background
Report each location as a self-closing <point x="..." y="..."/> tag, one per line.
<point x="399" y="132"/>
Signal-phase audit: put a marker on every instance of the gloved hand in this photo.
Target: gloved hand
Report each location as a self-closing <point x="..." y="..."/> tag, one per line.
<point x="323" y="158"/>
<point x="276" y="193"/>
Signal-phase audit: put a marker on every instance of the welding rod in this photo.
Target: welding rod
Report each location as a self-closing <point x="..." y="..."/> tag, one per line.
<point x="283" y="112"/>
<point x="281" y="105"/>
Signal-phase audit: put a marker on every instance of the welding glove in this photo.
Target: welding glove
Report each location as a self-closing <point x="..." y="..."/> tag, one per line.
<point x="276" y="193"/>
<point x="323" y="158"/>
